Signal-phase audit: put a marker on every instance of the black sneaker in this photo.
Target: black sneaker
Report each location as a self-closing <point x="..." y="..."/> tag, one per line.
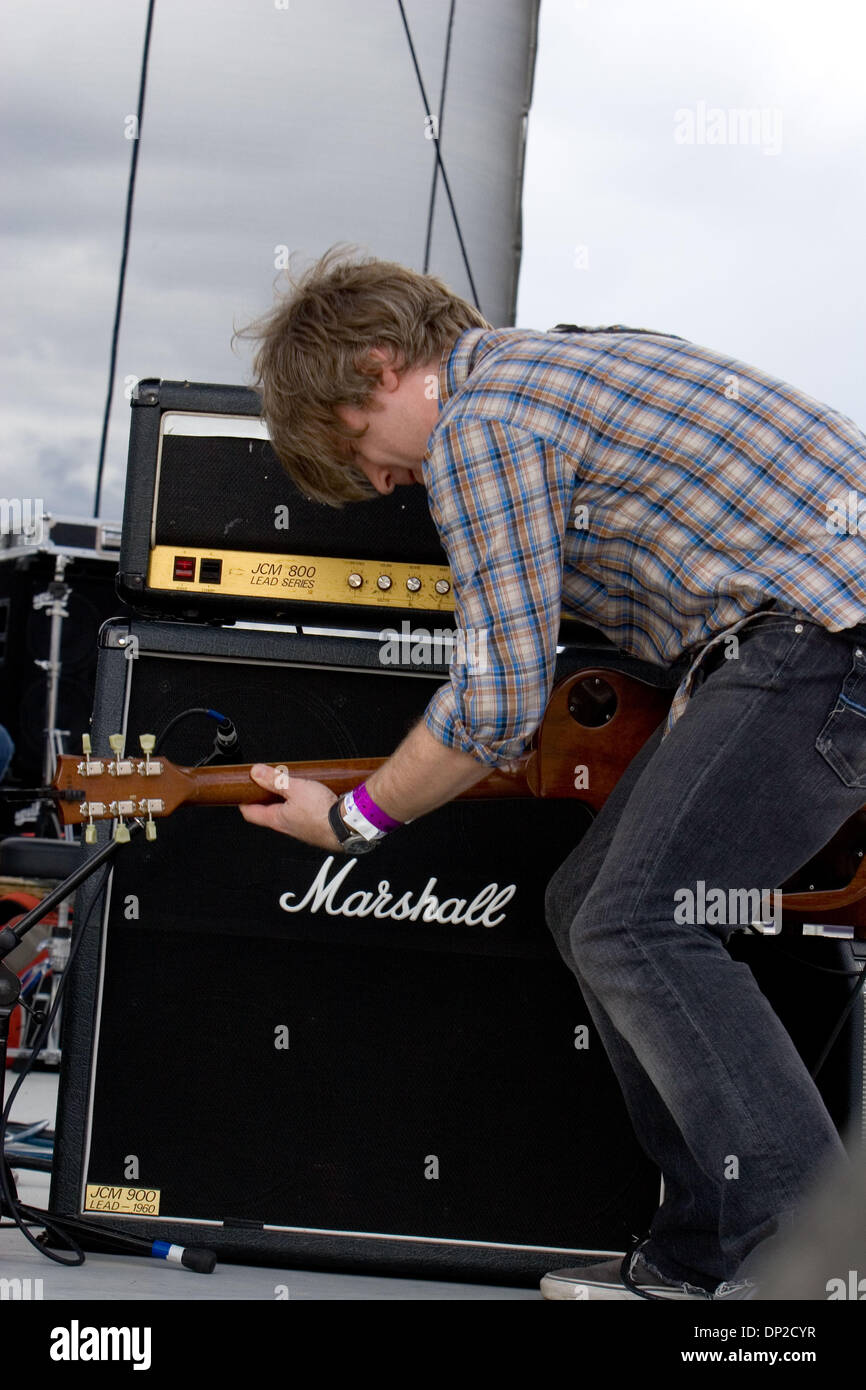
<point x="631" y="1277"/>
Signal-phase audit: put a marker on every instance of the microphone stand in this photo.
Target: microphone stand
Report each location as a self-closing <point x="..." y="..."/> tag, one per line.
<point x="192" y="1257"/>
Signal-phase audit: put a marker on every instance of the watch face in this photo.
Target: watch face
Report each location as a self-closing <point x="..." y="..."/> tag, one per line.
<point x="358" y="845"/>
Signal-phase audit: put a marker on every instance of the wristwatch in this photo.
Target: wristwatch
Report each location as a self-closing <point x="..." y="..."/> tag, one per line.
<point x="351" y="840"/>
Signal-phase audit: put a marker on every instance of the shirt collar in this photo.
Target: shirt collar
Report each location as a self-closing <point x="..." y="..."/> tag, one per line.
<point x="458" y="361"/>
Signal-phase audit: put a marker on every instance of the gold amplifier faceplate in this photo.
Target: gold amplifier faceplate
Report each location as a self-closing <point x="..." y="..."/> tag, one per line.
<point x="301" y="578"/>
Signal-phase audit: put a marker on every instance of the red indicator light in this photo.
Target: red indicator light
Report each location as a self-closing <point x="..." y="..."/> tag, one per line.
<point x="184" y="567"/>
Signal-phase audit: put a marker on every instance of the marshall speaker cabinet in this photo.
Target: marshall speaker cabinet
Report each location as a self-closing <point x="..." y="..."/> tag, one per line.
<point x="377" y="1063"/>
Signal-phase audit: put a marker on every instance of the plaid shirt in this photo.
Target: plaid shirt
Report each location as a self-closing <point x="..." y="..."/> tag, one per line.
<point x="659" y="491"/>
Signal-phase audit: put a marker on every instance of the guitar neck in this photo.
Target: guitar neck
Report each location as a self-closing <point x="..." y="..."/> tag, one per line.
<point x="231" y="785"/>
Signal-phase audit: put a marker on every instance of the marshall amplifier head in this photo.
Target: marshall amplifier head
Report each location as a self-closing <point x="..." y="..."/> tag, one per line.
<point x="214" y="529"/>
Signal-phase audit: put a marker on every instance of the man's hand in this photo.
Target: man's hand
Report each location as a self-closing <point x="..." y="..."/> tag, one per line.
<point x="419" y="776"/>
<point x="303" y="812"/>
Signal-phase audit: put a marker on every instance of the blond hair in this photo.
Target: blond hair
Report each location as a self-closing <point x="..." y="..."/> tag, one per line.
<point x="313" y="355"/>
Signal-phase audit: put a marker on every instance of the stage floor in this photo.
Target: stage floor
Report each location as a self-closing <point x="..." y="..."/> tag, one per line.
<point x="123" y="1277"/>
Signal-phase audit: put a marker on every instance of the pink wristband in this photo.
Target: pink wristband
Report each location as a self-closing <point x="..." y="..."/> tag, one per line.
<point x="374" y="814"/>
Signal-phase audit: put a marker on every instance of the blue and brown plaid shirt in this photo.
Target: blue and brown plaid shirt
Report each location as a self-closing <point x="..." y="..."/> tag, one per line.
<point x="658" y="491"/>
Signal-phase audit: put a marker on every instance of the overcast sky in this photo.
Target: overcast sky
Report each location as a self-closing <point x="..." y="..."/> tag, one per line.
<point x="650" y="196"/>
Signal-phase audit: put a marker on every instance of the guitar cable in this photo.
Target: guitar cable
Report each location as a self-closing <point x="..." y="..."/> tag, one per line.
<point x="226" y="740"/>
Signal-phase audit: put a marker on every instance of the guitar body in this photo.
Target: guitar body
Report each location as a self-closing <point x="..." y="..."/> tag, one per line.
<point x="595" y="722"/>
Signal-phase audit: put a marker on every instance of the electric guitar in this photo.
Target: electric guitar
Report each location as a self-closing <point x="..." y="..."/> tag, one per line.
<point x="595" y="722"/>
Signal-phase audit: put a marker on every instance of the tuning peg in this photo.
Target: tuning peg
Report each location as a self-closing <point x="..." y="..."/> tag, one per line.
<point x="148" y="743"/>
<point x="150" y="828"/>
<point x="121" y="833"/>
<point x="121" y="767"/>
<point x="90" y="834"/>
<point x="90" y="767"/>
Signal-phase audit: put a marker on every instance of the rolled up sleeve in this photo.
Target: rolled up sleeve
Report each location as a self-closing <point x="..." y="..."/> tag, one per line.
<point x="499" y="497"/>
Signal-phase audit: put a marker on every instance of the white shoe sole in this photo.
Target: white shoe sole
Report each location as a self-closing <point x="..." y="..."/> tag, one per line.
<point x="555" y="1287"/>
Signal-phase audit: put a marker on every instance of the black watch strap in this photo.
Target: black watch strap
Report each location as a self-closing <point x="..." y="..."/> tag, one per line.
<point x="350" y="841"/>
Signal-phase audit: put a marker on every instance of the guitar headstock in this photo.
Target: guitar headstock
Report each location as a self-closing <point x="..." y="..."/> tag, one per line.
<point x="119" y="788"/>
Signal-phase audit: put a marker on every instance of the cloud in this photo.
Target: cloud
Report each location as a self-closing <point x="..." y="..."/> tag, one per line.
<point x="298" y="126"/>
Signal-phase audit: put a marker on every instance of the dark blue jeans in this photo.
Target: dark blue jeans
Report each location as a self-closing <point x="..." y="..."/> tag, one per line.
<point x="764" y="766"/>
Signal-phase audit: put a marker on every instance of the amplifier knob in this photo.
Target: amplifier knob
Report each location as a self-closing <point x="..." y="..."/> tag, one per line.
<point x="442" y="586"/>
<point x="355" y="581"/>
<point x="413" y="584"/>
<point x="384" y="581"/>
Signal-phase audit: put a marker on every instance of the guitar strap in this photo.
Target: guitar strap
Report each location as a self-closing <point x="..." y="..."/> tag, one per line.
<point x="613" y="328"/>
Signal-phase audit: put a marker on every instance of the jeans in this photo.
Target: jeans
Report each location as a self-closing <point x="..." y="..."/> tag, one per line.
<point x="763" y="767"/>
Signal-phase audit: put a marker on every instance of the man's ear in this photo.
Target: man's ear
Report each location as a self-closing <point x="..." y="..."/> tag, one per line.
<point x="389" y="378"/>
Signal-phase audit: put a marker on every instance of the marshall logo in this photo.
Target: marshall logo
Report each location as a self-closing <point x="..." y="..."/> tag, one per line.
<point x="480" y="912"/>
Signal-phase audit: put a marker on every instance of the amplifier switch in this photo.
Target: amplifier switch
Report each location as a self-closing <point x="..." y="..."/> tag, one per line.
<point x="210" y="571"/>
<point x="184" y="568"/>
